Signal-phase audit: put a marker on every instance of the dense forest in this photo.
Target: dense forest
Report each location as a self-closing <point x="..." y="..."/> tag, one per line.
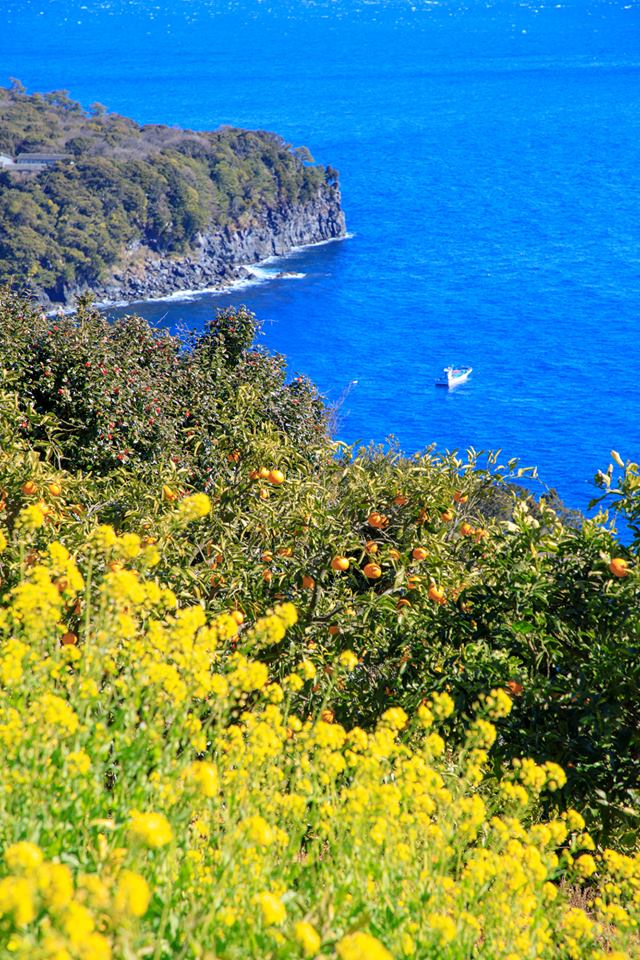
<point x="126" y="187"/>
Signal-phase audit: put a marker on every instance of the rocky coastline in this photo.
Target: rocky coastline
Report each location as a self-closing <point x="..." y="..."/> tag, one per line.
<point x="219" y="257"/>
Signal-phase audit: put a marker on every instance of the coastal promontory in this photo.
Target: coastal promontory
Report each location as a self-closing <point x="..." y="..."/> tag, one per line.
<point x="91" y="200"/>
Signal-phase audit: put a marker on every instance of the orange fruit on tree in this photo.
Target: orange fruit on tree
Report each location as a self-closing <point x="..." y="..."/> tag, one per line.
<point x="267" y="576"/>
<point x="460" y="497"/>
<point x="340" y="563"/>
<point x="234" y="456"/>
<point x="372" y="571"/>
<point x="267" y="556"/>
<point x="394" y="554"/>
<point x="401" y="500"/>
<point x="69" y="639"/>
<point x="419" y="553"/>
<point x="466" y="530"/>
<point x="447" y="515"/>
<point x="285" y="551"/>
<point x="515" y="687"/>
<point x="29" y="488"/>
<point x="413" y="583"/>
<point x="238" y="616"/>
<point x="377" y="520"/>
<point x="308" y="582"/>
<point x="254" y="475"/>
<point x="436" y="594"/>
<point x="263" y="494"/>
<point x="55" y="489"/>
<point x="403" y="603"/>
<point x="619" y="567"/>
<point x="328" y="716"/>
<point x="371" y="546"/>
<point x="276" y="477"/>
<point x="168" y="493"/>
<point x="263" y="473"/>
<point x="334" y="629"/>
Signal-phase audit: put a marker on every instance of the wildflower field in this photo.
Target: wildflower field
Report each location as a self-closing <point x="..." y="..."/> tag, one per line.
<point x="263" y="696"/>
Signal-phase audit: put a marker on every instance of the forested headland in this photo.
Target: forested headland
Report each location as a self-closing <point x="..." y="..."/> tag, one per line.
<point x="127" y="196"/>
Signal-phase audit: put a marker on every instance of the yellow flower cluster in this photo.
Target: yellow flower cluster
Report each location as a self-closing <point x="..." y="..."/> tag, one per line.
<point x="161" y="791"/>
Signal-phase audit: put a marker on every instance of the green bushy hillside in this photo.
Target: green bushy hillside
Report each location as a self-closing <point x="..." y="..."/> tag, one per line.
<point x="126" y="186"/>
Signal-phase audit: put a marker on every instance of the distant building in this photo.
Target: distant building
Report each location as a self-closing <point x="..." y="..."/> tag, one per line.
<point x="31" y="162"/>
<point x="34" y="162"/>
<point x="40" y="159"/>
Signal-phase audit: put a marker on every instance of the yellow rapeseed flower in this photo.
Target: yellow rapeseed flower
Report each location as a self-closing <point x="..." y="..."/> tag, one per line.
<point x="194" y="507"/>
<point x="152" y="829"/>
<point x="132" y="894"/>
<point x="361" y="946"/>
<point x="308" y="938"/>
<point x="273" y="909"/>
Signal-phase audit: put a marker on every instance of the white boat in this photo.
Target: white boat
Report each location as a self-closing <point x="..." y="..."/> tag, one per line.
<point x="453" y="376"/>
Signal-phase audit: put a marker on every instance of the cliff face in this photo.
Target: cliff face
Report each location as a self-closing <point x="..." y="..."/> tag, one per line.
<point x="220" y="254"/>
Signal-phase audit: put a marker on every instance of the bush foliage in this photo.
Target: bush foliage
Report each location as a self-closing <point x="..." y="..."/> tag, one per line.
<point x="283" y="687"/>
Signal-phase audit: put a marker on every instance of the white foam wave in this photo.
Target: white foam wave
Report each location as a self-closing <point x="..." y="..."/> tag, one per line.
<point x="258" y="273"/>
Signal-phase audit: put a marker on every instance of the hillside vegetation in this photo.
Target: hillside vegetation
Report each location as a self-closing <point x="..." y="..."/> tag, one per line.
<point x="127" y="185"/>
<point x="266" y="696"/>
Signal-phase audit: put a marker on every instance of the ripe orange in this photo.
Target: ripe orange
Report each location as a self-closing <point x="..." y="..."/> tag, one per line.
<point x="29" y="488"/>
<point x="340" y="563"/>
<point x="263" y="473"/>
<point x="619" y="567"/>
<point x="334" y="629"/>
<point x="267" y="576"/>
<point x="460" y="497"/>
<point x="371" y="546"/>
<point x="168" y="493"/>
<point x="254" y="475"/>
<point x="308" y="583"/>
<point x="276" y="477"/>
<point x="402" y="603"/>
<point x="69" y="639"/>
<point x="447" y="516"/>
<point x="267" y="556"/>
<point x="419" y="553"/>
<point x="285" y="551"/>
<point x="466" y="530"/>
<point x="394" y="554"/>
<point x="401" y="500"/>
<point x="436" y="594"/>
<point x="233" y="457"/>
<point x="515" y="687"/>
<point x="372" y="571"/>
<point x="328" y="716"/>
<point x="263" y="494"/>
<point x="377" y="520"/>
<point x="238" y="616"/>
<point x="55" y="489"/>
<point x="413" y="583"/>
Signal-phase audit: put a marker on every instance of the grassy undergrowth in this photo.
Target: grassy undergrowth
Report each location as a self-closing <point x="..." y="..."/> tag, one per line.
<point x="262" y="695"/>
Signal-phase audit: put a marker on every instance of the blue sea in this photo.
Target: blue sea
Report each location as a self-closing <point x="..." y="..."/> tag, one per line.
<point x="490" y="167"/>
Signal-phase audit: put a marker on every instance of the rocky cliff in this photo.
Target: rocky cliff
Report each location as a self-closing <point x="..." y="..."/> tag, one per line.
<point x="220" y="256"/>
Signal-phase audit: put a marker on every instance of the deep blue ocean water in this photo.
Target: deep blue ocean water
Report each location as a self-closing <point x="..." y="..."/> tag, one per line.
<point x="490" y="161"/>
